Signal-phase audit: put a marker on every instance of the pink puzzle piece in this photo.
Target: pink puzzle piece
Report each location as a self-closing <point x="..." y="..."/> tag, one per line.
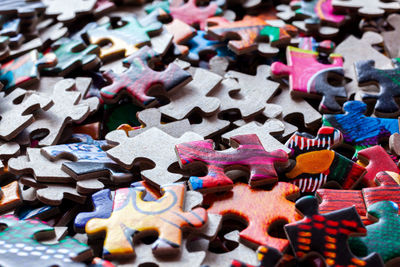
<point x="192" y="14"/>
<point x="307" y="76"/>
<point x="246" y="152"/>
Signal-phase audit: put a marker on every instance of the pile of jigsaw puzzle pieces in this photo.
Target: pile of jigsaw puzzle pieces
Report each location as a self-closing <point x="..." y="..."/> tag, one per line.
<point x="199" y="133"/>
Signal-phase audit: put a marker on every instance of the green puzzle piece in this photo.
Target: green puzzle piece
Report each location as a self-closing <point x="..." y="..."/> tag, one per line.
<point x="71" y="54"/>
<point x="19" y="245"/>
<point x="383" y="236"/>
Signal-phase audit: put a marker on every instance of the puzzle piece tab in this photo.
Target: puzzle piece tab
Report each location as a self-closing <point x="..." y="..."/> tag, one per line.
<point x="309" y="77"/>
<point x="246" y="152"/>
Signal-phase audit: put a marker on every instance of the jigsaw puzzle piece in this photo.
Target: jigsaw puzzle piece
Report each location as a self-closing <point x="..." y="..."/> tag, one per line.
<point x="382" y="236"/>
<point x="10" y="197"/>
<point x="125" y="39"/>
<point x="387" y="82"/>
<point x="89" y="159"/>
<point x="376" y="160"/>
<point x="68" y="11"/>
<point x="327" y="234"/>
<point x="139" y="78"/>
<point x="24" y="70"/>
<point x="194" y="96"/>
<point x="246" y="152"/>
<point x="164" y="216"/>
<point x="72" y="54"/>
<point x="241" y="203"/>
<point x="160" y="154"/>
<point x="308" y="77"/>
<point x="359" y="130"/>
<point x="373" y="8"/>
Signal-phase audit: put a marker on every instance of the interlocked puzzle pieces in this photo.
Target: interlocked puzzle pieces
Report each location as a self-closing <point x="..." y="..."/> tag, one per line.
<point x="327" y="234"/>
<point x="388" y="83"/>
<point x="131" y="216"/>
<point x="243" y="203"/>
<point x="23" y="70"/>
<point x="359" y="130"/>
<point x="159" y="152"/>
<point x="125" y="39"/>
<point x="246" y="152"/>
<point x="89" y="159"/>
<point x="316" y="164"/>
<point x="251" y="31"/>
<point x="139" y="78"/>
<point x="310" y="77"/>
<point x="72" y="54"/>
<point x="19" y="245"/>
<point x="383" y="235"/>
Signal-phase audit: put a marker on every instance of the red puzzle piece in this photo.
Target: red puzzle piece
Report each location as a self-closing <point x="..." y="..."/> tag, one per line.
<point x="332" y="200"/>
<point x="259" y="208"/>
<point x="139" y="78"/>
<point x="388" y="189"/>
<point x="249" y="153"/>
<point x="378" y="160"/>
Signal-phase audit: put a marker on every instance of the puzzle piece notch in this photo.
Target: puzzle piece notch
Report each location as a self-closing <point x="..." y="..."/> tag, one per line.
<point x="327" y="234"/>
<point x="139" y="78"/>
<point x="386" y="80"/>
<point x="246" y="152"/>
<point x="164" y="216"/>
<point x="313" y="80"/>
<point x="68" y="252"/>
<point x="241" y="203"/>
